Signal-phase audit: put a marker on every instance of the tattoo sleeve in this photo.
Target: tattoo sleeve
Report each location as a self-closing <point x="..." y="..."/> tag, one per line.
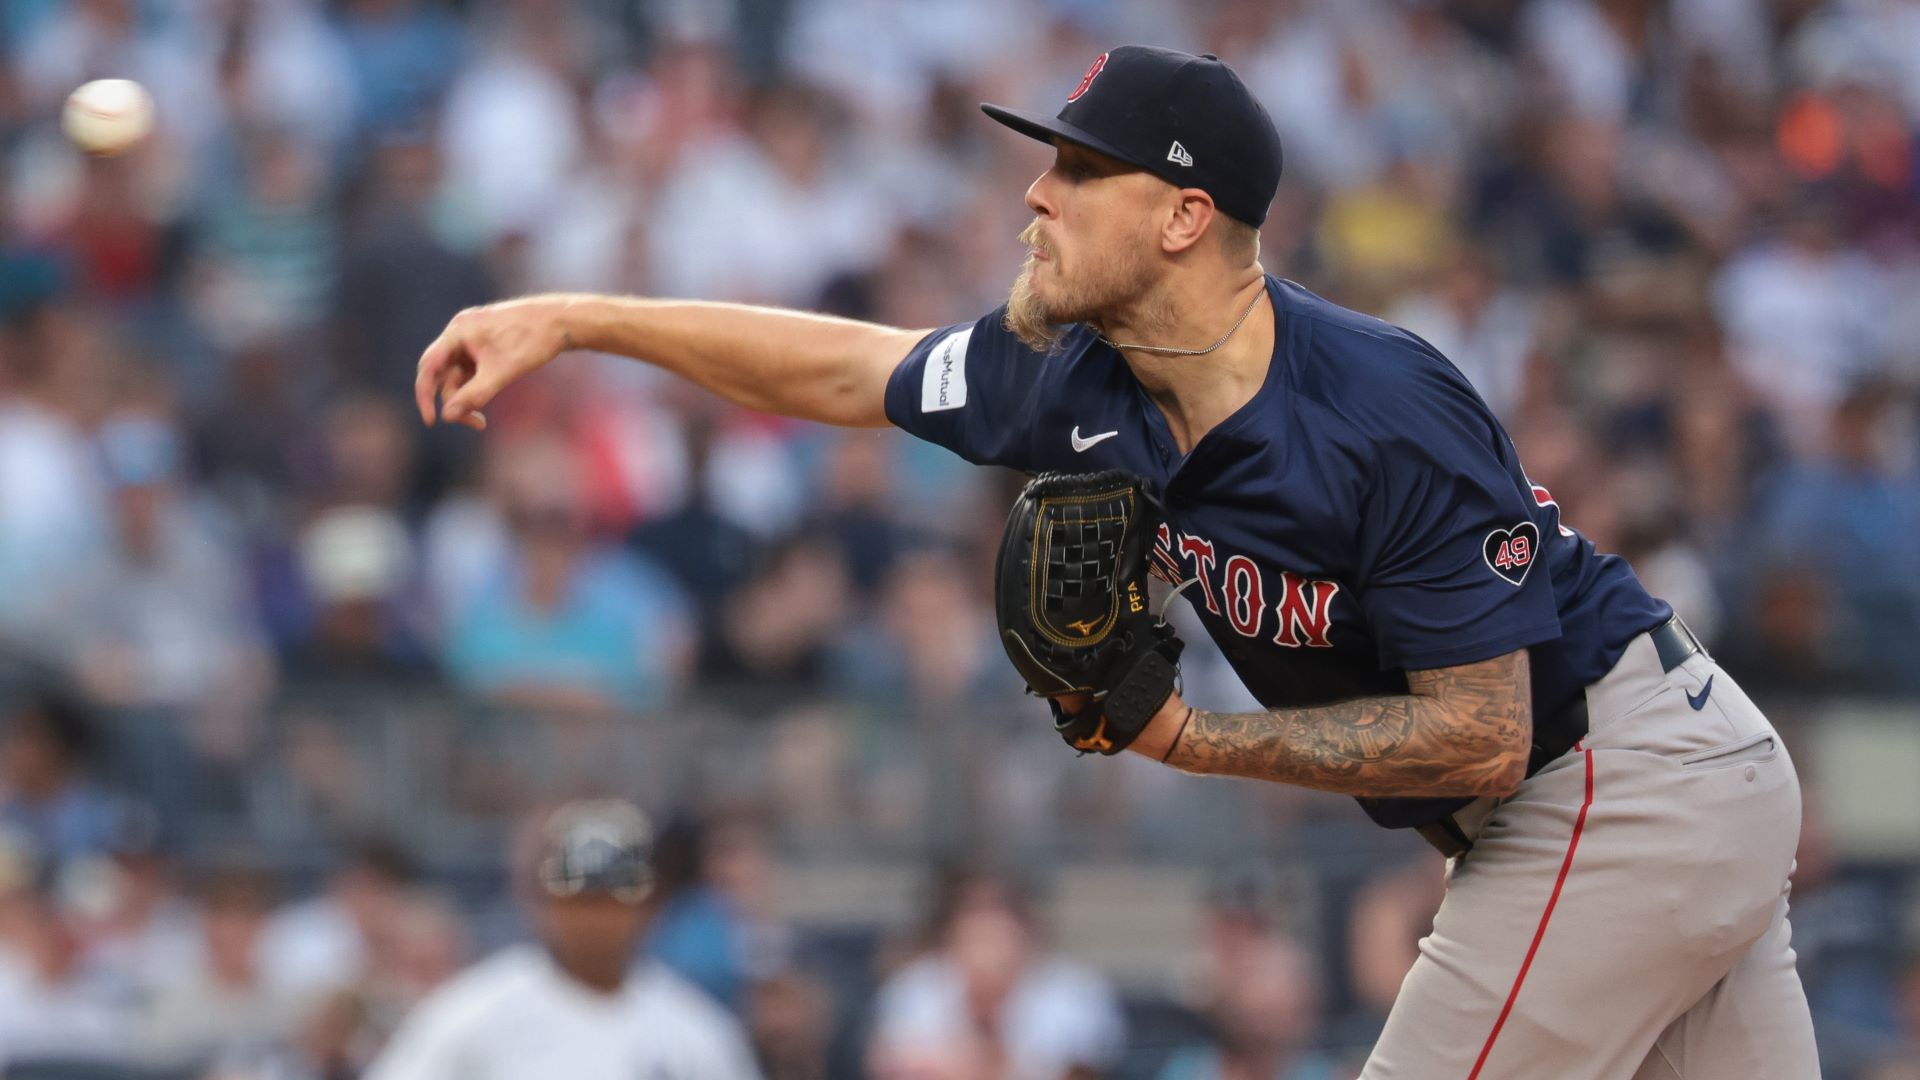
<point x="1462" y="730"/>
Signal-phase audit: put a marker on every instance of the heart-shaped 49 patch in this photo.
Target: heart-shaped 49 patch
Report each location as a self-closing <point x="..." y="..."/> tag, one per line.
<point x="1510" y="552"/>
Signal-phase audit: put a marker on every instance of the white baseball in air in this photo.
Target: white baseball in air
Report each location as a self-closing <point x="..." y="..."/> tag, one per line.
<point x="106" y="116"/>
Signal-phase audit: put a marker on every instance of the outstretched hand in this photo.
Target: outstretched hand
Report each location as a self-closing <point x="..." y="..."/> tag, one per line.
<point x="482" y="350"/>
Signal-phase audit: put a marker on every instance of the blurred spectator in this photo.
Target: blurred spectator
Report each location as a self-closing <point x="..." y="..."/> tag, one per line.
<point x="777" y="631"/>
<point x="1378" y="239"/>
<point x="857" y="504"/>
<point x="280" y="65"/>
<point x="573" y="1005"/>
<point x="1557" y="209"/>
<point x="162" y="621"/>
<point x="772" y="216"/>
<point x="227" y="1006"/>
<point x="511" y="130"/>
<point x="130" y="910"/>
<point x="1393" y="912"/>
<point x="330" y="941"/>
<point x="1724" y="443"/>
<point x="253" y="438"/>
<point x="1308" y="62"/>
<point x="425" y="944"/>
<point x="1843" y="127"/>
<point x="53" y="1006"/>
<point x="1485" y="328"/>
<point x="402" y="53"/>
<point x="365" y="453"/>
<point x="792" y="1026"/>
<point x="1803" y="316"/>
<point x="961" y="771"/>
<point x="1263" y="1001"/>
<point x="357" y="565"/>
<point x="1852" y="516"/>
<point x="1672" y="567"/>
<point x="325" y="1044"/>
<point x="989" y="1000"/>
<point x="931" y="648"/>
<point x="1789" y="642"/>
<point x="565" y="620"/>
<point x="1904" y="1063"/>
<point x="120" y="244"/>
<point x="1844" y="915"/>
<point x="1596" y="56"/>
<point x="401" y="274"/>
<point x="47" y="746"/>
<point x="53" y="503"/>
<point x="160" y="628"/>
<point x="265" y="253"/>
<point x="707" y="552"/>
<point x="698" y="930"/>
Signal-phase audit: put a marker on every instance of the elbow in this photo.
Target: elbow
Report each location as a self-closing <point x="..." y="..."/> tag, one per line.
<point x="1482" y="714"/>
<point x="1509" y="757"/>
<point x="1505" y="774"/>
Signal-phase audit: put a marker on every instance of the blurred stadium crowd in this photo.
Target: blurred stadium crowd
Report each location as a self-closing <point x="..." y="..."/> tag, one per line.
<point x="287" y="670"/>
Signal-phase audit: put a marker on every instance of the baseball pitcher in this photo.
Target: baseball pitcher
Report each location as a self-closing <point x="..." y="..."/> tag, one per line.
<point x="1354" y="529"/>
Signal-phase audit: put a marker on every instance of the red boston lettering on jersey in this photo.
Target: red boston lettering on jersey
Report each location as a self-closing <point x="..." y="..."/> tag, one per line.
<point x="1543" y="497"/>
<point x="1244" y="604"/>
<point x="1305" y="610"/>
<point x="1087" y="79"/>
<point x="1161" y="563"/>
<point x="1201" y="552"/>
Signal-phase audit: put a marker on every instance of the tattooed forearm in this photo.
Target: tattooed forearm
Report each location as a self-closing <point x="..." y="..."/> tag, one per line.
<point x="1458" y="731"/>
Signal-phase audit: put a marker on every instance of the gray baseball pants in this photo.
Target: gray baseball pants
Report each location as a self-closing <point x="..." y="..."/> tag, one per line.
<point x="1623" y="915"/>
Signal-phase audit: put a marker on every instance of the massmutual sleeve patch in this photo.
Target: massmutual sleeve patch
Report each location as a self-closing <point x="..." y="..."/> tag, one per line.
<point x="972" y="389"/>
<point x="943" y="381"/>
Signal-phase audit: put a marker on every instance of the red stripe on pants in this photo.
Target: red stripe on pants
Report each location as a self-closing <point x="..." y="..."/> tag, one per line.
<point x="1566" y="864"/>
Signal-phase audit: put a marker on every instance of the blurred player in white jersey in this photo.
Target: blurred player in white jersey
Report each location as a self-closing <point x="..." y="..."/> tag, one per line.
<point x="575" y="1005"/>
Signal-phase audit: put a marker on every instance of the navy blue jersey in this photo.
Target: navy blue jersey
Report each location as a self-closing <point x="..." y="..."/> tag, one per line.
<point x="1363" y="515"/>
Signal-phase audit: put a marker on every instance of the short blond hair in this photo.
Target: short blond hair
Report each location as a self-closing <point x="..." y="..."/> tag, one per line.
<point x="1239" y="241"/>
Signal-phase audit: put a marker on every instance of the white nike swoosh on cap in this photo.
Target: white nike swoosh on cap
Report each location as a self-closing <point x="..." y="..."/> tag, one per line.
<point x="1082" y="445"/>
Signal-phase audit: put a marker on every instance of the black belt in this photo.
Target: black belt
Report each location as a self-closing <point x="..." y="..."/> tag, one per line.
<point x="1672" y="642"/>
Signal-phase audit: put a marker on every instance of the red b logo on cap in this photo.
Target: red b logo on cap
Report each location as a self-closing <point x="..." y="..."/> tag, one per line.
<point x="1087" y="79"/>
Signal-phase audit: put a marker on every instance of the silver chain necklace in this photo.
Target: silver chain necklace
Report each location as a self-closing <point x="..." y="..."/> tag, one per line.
<point x="1188" y="352"/>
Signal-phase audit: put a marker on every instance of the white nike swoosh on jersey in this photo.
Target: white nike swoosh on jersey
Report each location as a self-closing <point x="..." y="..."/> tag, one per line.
<point x="1081" y="444"/>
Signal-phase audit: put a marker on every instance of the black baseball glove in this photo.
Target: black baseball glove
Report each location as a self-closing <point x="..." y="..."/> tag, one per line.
<point x="1072" y="604"/>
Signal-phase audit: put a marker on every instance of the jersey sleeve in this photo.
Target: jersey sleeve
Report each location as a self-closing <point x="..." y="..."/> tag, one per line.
<point x="708" y="1040"/>
<point x="727" y="1056"/>
<point x="972" y="388"/>
<point x="1451" y="544"/>
<point x="431" y="1044"/>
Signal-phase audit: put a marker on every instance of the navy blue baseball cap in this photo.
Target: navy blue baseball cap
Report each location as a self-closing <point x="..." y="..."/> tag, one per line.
<point x="1187" y="119"/>
<point x="598" y="846"/>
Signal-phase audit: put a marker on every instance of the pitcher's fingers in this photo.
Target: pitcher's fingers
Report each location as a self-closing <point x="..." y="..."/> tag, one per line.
<point x="452" y="378"/>
<point x="427" y="377"/>
<point x="474" y="395"/>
